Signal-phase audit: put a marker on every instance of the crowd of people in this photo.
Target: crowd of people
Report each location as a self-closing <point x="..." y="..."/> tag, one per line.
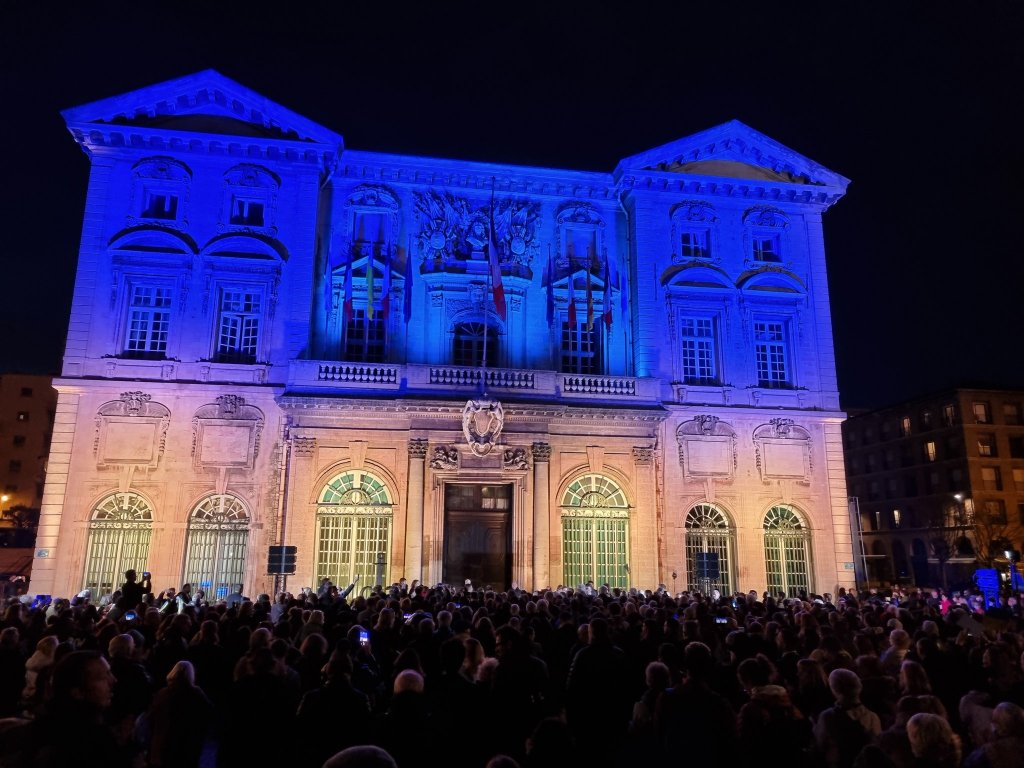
<point x="412" y="675"/>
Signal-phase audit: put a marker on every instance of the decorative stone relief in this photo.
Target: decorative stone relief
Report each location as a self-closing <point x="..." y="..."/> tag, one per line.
<point x="160" y="175"/>
<point x="304" y="447"/>
<point x="482" y="421"/>
<point x="131" y="430"/>
<point x="766" y="216"/>
<point x="707" y="448"/>
<point x="782" y="451"/>
<point x="578" y="215"/>
<point x="541" y="451"/>
<point x="226" y="434"/>
<point x="515" y="224"/>
<point x="643" y="456"/>
<point x="445" y="458"/>
<point x="444" y="220"/>
<point x="257" y="184"/>
<point x="417" y="449"/>
<point x="515" y="458"/>
<point x="699" y="217"/>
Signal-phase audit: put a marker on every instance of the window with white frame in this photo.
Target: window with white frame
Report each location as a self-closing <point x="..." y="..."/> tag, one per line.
<point x="767" y="246"/>
<point x="982" y="413"/>
<point x="365" y="338"/>
<point x="159" y="204"/>
<point x="581" y="349"/>
<point x="698" y="348"/>
<point x="695" y="244"/>
<point x="238" y="325"/>
<point x="771" y="351"/>
<point x="148" y="322"/>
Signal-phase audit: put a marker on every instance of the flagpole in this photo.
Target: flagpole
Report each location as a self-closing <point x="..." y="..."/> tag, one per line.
<point x="490" y="287"/>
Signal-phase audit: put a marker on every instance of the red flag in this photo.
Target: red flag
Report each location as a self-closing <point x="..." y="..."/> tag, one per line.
<point x="492" y="256"/>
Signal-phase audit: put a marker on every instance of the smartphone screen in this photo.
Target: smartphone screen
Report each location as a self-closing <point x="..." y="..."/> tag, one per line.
<point x="364" y="637"/>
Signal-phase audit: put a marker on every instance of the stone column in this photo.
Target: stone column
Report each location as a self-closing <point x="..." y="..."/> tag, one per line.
<point x="414" y="512"/>
<point x="643" y="555"/>
<point x="541" y="511"/>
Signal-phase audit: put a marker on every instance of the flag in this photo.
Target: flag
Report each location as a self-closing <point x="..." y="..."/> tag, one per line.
<point x="550" y="279"/>
<point x="407" y="308"/>
<point x="386" y="300"/>
<point x="572" y="299"/>
<point x="590" y="297"/>
<point x="348" y="288"/>
<point x="371" y="283"/>
<point x="492" y="256"/>
<point x="607" y="293"/>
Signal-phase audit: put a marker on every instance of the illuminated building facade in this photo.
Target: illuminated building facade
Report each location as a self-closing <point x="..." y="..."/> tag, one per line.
<point x="276" y="339"/>
<point x="944" y="470"/>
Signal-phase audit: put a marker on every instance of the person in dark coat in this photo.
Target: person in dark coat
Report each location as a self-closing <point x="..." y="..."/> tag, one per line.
<point x="333" y="716"/>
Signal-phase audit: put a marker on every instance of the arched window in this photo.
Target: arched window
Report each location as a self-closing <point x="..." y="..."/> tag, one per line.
<point x="353" y="533"/>
<point x="218" y="530"/>
<point x="119" y="534"/>
<point x="595" y="533"/>
<point x="786" y="552"/>
<point x="708" y="531"/>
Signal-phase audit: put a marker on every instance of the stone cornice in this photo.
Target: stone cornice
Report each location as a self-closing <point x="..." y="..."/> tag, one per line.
<point x="470" y="175"/>
<point x="817" y="196"/>
<point x="103" y="137"/>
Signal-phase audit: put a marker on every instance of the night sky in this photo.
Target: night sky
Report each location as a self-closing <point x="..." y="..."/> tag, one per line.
<point x="916" y="103"/>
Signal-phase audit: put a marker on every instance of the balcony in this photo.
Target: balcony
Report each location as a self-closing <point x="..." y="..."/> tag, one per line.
<point x="347" y="378"/>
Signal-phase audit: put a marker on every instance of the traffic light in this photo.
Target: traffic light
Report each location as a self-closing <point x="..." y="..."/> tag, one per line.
<point x="281" y="560"/>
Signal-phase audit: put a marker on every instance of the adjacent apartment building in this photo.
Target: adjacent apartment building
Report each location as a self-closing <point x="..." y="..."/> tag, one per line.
<point x="440" y="369"/>
<point x="944" y="470"/>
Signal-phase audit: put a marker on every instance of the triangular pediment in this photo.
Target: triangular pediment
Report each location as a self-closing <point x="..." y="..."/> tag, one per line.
<point x="735" y="151"/>
<point x="205" y="102"/>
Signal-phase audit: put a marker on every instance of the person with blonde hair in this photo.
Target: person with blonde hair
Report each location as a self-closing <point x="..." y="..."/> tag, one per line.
<point x="933" y="741"/>
<point x="37" y="673"/>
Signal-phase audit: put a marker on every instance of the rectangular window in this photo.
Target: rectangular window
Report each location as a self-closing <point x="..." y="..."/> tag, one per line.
<point x="581" y="349"/>
<point x="1011" y="414"/>
<point x="365" y="338"/>
<point x="991" y="479"/>
<point x="872" y="462"/>
<point x="982" y="414"/>
<point x="995" y="511"/>
<point x="905" y="426"/>
<point x="1020" y="513"/>
<point x="1018" y="480"/>
<point x="910" y="483"/>
<point x="22" y="415"/>
<point x="160" y="205"/>
<point x="149" y="318"/>
<point x="934" y="482"/>
<point x="766" y="248"/>
<point x="18" y="441"/>
<point x="1017" y="447"/>
<point x="26" y="391"/>
<point x="949" y="415"/>
<point x="926" y="419"/>
<point x="897" y="517"/>
<point x="247" y="212"/>
<point x="698" y="350"/>
<point x="14" y="466"/>
<point x="987" y="445"/>
<point x="695" y="244"/>
<point x="929" y="450"/>
<point x="238" y="326"/>
<point x="771" y="353"/>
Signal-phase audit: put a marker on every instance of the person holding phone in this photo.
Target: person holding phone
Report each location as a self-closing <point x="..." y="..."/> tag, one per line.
<point x="132" y="592"/>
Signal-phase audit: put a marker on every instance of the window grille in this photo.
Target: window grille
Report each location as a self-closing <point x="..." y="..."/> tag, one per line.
<point x="119" y="535"/>
<point x="787" y="545"/>
<point x="595" y="533"/>
<point x="354" y="518"/>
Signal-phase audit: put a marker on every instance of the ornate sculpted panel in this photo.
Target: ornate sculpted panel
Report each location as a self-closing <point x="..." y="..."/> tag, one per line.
<point x="226" y="433"/>
<point x="707" y="448"/>
<point x="445" y="458"/>
<point x="782" y="451"/>
<point x="131" y="430"/>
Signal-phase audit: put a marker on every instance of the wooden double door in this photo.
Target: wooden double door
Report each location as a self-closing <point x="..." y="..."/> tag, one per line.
<point x="478" y="535"/>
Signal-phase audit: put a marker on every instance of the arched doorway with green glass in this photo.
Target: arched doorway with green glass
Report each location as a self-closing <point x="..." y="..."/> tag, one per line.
<point x="120" y="528"/>
<point x="595" y="532"/>
<point x="787" y="552"/>
<point x="354" y="515"/>
<point x="709" y="540"/>
<point x="218" y="534"/>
